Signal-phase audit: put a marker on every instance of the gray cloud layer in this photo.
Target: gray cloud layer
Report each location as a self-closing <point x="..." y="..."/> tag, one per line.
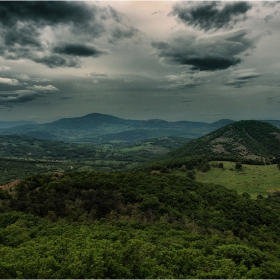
<point x="34" y="30"/>
<point x="186" y="60"/>
<point x="209" y="54"/>
<point x="210" y="15"/>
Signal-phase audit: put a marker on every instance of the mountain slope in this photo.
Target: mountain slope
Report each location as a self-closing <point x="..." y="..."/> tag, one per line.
<point x="249" y="141"/>
<point x="244" y="139"/>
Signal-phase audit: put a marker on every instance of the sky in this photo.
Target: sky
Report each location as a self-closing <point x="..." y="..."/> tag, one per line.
<point x="187" y="60"/>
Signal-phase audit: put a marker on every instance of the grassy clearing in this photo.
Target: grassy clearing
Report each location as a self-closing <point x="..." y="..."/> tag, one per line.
<point x="253" y="179"/>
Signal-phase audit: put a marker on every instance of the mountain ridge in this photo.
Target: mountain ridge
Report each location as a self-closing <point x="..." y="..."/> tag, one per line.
<point x="100" y="128"/>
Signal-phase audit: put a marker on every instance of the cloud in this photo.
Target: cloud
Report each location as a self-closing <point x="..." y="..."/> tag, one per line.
<point x="47" y="13"/>
<point x="8" y="81"/>
<point x="211" y="15"/>
<point x="98" y="75"/>
<point x="78" y="50"/>
<point x="123" y="33"/>
<point x="237" y="83"/>
<point x="115" y="15"/>
<point x="23" y="35"/>
<point x="242" y="77"/>
<point x="182" y="80"/>
<point x="5" y="68"/>
<point x="18" y="96"/>
<point x="206" y="53"/>
<point x="248" y="76"/>
<point x="53" y="61"/>
<point x="27" y="78"/>
<point x="35" y="30"/>
<point x="48" y="88"/>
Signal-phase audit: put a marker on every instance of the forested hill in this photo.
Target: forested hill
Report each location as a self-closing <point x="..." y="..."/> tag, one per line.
<point x="135" y="225"/>
<point x="246" y="141"/>
<point x="243" y="139"/>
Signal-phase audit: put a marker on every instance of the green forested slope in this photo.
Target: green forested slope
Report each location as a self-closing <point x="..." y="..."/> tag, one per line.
<point x="135" y="225"/>
<point x="246" y="141"/>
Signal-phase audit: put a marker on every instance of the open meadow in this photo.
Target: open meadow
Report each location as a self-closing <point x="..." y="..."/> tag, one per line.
<point x="253" y="179"/>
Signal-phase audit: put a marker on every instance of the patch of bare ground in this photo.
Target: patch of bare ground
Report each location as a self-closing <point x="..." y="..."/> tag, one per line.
<point x="219" y="149"/>
<point x="277" y="135"/>
<point x="217" y="145"/>
<point x="222" y="140"/>
<point x="10" y="185"/>
<point x="57" y="175"/>
<point x="242" y="150"/>
<point x="253" y="157"/>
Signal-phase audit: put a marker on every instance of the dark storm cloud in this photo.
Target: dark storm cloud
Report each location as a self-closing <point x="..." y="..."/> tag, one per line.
<point x="22" y="35"/>
<point x="32" y="30"/>
<point x="78" y="50"/>
<point x="23" y="22"/>
<point x="211" y="15"/>
<point x="20" y="96"/>
<point x="216" y="53"/>
<point x="197" y="61"/>
<point x="45" y="13"/>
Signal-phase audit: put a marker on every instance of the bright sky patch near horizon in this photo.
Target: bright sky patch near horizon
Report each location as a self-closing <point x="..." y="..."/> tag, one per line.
<point x="190" y="60"/>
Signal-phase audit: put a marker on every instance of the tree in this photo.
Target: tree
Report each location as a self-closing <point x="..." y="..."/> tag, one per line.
<point x="190" y="166"/>
<point x="238" y="165"/>
<point x="191" y="175"/>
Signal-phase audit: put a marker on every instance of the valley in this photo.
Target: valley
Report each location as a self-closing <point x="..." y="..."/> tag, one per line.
<point x="131" y="206"/>
<point x="21" y="156"/>
<point x="139" y="140"/>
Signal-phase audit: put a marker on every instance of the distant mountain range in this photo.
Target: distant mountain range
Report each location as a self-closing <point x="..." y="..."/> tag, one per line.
<point x="100" y="128"/>
<point x="13" y="124"/>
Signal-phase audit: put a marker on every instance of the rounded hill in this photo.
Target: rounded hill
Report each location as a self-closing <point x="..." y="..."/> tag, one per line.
<point x="252" y="140"/>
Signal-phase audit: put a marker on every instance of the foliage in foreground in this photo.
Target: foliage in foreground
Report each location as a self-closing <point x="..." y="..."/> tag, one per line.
<point x="136" y="225"/>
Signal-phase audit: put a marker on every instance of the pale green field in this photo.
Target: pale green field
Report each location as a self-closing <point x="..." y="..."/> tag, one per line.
<point x="253" y="179"/>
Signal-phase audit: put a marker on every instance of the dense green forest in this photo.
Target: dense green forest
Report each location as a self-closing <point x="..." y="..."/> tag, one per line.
<point x="88" y="214"/>
<point x="136" y="225"/>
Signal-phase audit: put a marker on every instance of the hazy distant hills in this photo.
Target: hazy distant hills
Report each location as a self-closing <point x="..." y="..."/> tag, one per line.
<point x="100" y="128"/>
<point x="13" y="124"/>
<point x="251" y="140"/>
